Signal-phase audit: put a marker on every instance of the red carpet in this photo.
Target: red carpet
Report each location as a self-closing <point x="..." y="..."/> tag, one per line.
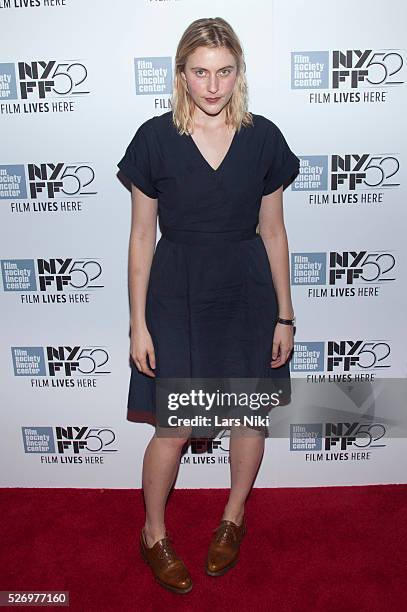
<point x="314" y="549"/>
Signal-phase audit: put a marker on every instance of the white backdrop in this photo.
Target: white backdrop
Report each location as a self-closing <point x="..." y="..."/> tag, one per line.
<point x="332" y="77"/>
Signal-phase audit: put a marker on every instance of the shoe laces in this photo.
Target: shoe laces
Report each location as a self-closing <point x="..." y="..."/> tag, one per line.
<point x="225" y="532"/>
<point x="166" y="552"/>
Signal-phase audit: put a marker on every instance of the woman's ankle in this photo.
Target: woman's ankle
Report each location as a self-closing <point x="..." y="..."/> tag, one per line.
<point x="153" y="533"/>
<point x="234" y="515"/>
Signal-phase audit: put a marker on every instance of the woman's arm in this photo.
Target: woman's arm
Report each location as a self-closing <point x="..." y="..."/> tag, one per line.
<point x="273" y="233"/>
<point x="141" y="250"/>
<point x="274" y="236"/>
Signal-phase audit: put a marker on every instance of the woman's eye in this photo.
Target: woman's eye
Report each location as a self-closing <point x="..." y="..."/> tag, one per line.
<point x="223" y="72"/>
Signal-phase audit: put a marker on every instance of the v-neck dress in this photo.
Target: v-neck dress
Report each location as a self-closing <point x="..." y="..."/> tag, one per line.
<point x="211" y="305"/>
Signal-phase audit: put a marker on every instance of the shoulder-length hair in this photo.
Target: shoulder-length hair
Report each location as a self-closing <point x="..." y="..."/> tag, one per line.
<point x="209" y="32"/>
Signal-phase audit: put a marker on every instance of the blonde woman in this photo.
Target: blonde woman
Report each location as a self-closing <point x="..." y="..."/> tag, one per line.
<point x="212" y="298"/>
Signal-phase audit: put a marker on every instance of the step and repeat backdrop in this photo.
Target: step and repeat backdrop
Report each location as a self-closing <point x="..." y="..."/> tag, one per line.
<point x="76" y="81"/>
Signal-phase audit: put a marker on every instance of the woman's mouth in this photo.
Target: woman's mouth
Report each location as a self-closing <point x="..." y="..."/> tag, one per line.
<point x="212" y="100"/>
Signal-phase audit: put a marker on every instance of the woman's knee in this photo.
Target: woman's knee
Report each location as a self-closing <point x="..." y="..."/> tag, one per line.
<point x="173" y="436"/>
<point x="247" y="431"/>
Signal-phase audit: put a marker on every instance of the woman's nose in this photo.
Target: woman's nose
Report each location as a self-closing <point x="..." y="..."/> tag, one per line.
<point x="213" y="85"/>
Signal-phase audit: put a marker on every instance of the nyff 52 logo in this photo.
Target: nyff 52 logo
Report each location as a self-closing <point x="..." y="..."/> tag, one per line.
<point x="65" y="360"/>
<point x="314" y="437"/>
<point x="342" y="268"/>
<point x="76" y="440"/>
<point x="351" y="266"/>
<point x="356" y="173"/>
<point x="351" y="355"/>
<point x="368" y="68"/>
<point x="341" y="356"/>
<point x="67" y="179"/>
<point x="367" y="171"/>
<point x="41" y="79"/>
<point x="50" y="274"/>
<point x="35" y="181"/>
<point x="353" y="69"/>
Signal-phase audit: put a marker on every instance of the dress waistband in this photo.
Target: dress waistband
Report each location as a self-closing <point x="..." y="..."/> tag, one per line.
<point x="198" y="237"/>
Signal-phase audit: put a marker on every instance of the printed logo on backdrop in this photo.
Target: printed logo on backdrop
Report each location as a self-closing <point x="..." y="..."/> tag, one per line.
<point x="207" y="451"/>
<point x="42" y="86"/>
<point x="61" y="366"/>
<point x="77" y="445"/>
<point x="343" y="274"/>
<point x="52" y="281"/>
<point x="29" y="4"/>
<point x="153" y="76"/>
<point x="350" y="178"/>
<point x="46" y="187"/>
<point x="341" y="360"/>
<point x="351" y="75"/>
<point x="333" y="442"/>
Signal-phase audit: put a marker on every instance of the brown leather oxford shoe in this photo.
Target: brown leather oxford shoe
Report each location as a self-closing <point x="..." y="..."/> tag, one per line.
<point x="168" y="569"/>
<point x="224" y="548"/>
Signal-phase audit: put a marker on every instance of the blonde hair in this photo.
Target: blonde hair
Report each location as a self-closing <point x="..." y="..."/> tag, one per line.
<point x="209" y="32"/>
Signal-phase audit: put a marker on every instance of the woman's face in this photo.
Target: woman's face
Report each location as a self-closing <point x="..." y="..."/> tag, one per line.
<point x="210" y="74"/>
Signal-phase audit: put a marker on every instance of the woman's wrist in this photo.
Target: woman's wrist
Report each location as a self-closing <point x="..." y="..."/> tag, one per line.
<point x="286" y="314"/>
<point x="138" y="323"/>
<point x="290" y="322"/>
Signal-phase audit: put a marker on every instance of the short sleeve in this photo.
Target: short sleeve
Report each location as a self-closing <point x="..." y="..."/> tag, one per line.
<point x="283" y="164"/>
<point x="136" y="162"/>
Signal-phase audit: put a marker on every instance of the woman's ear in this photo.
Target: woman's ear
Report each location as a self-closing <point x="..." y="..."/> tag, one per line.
<point x="184" y="79"/>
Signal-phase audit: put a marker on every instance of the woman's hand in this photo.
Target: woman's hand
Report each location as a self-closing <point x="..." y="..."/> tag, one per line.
<point x="283" y="343"/>
<point x="141" y="345"/>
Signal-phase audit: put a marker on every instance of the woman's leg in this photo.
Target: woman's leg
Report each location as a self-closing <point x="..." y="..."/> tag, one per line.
<point x="245" y="451"/>
<point x="160" y="466"/>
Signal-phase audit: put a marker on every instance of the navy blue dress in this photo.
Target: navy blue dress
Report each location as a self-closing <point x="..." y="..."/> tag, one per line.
<point x="211" y="306"/>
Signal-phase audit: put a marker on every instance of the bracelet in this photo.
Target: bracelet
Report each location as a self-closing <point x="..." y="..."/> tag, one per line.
<point x="286" y="321"/>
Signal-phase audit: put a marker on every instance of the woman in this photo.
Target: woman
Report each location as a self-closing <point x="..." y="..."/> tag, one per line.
<point x="213" y="299"/>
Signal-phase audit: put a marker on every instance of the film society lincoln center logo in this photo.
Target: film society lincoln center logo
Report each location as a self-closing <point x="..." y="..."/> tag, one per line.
<point x="344" y="274"/>
<point x="61" y="366"/>
<point x="337" y="442"/>
<point x="343" y="360"/>
<point x="153" y="76"/>
<point x="75" y="445"/>
<point x="52" y="281"/>
<point x="47" y="187"/>
<point x="357" y="178"/>
<point x="349" y="75"/>
<point x="42" y="86"/>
